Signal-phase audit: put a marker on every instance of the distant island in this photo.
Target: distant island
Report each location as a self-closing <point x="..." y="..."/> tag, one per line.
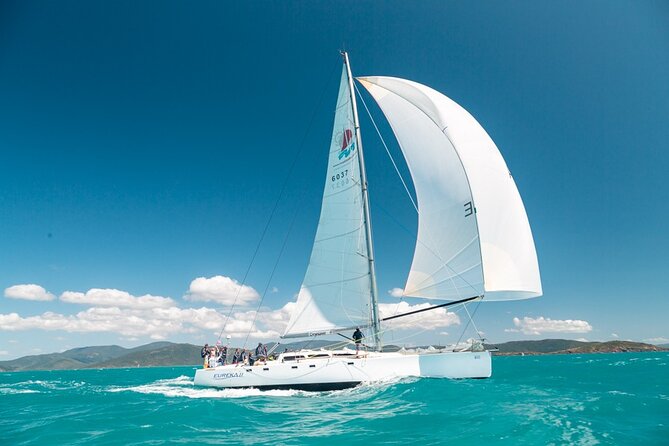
<point x="564" y="346"/>
<point x="161" y="354"/>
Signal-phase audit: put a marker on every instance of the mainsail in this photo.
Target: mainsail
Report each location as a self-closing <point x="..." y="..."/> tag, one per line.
<point x="474" y="238"/>
<point x="335" y="293"/>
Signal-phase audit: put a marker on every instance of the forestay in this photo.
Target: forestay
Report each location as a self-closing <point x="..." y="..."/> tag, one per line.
<point x="474" y="237"/>
<point x="335" y="293"/>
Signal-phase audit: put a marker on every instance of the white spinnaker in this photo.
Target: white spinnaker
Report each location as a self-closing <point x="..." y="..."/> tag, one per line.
<point x="473" y="234"/>
<point x="335" y="293"/>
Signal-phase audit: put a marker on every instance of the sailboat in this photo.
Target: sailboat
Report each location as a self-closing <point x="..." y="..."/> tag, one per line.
<point x="473" y="243"/>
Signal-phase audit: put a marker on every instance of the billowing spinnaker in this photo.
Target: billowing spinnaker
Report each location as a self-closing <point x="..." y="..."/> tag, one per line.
<point x="473" y="234"/>
<point x="335" y="292"/>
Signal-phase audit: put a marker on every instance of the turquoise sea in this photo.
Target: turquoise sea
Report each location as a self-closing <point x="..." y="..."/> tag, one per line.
<point x="561" y="399"/>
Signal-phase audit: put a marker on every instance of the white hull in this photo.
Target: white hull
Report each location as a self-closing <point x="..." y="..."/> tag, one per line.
<point x="333" y="373"/>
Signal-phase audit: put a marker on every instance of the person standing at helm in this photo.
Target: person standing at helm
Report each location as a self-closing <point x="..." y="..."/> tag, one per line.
<point x="357" y="338"/>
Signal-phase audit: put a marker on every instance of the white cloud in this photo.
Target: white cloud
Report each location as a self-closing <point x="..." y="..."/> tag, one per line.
<point x="115" y="298"/>
<point x="658" y="340"/>
<point x="4" y="352"/>
<point x="428" y="320"/>
<point x="274" y="289"/>
<point x="156" y="323"/>
<point x="221" y="289"/>
<point x="540" y="325"/>
<point x="614" y="335"/>
<point x="396" y="292"/>
<point x="28" y="292"/>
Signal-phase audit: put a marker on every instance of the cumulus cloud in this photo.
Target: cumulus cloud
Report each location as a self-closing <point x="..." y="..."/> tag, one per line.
<point x="540" y="325"/>
<point x="428" y="320"/>
<point x="115" y="298"/>
<point x="163" y="321"/>
<point x="221" y="289"/>
<point x="28" y="292"/>
<point x="396" y="292"/>
<point x="156" y="323"/>
<point x="658" y="340"/>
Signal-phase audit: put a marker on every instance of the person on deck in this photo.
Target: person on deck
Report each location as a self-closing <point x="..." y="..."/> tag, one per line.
<point x="205" y="355"/>
<point x="261" y="352"/>
<point x="235" y="357"/>
<point x="357" y="338"/>
<point x="223" y="355"/>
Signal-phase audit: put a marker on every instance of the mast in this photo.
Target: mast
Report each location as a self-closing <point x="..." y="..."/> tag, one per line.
<point x="376" y="324"/>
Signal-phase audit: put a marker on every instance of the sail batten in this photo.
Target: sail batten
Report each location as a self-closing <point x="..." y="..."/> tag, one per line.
<point x="473" y="232"/>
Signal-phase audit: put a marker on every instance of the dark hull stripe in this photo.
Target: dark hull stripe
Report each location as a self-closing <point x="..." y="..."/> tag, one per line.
<point x="309" y="387"/>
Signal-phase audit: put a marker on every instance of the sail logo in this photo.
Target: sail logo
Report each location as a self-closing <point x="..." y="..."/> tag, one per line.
<point x="345" y="138"/>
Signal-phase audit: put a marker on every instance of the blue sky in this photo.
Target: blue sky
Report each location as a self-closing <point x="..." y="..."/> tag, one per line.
<point x="143" y="146"/>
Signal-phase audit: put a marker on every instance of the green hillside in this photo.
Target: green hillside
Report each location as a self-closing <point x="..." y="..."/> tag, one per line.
<point x="170" y="354"/>
<point x="563" y="346"/>
<point x="542" y="346"/>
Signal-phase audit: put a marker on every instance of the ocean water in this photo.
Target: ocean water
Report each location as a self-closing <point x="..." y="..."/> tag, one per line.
<point x="613" y="399"/>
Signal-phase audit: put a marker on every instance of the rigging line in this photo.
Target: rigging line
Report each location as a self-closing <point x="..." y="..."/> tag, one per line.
<point x="408" y="231"/>
<point x="447" y="304"/>
<point x="271" y="276"/>
<point x="470" y="320"/>
<point x="412" y="235"/>
<point x="276" y="203"/>
<point x="406" y="188"/>
<point x="443" y="131"/>
<point x="413" y="334"/>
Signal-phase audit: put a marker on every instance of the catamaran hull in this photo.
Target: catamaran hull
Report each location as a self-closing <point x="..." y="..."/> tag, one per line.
<point x="340" y="373"/>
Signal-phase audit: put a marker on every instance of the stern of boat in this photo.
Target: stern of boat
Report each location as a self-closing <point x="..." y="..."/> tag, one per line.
<point x="456" y="365"/>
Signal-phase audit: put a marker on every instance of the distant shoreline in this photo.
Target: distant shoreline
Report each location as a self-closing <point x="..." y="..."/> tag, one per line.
<point x="167" y="354"/>
<point x="494" y="353"/>
<point x="198" y="364"/>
